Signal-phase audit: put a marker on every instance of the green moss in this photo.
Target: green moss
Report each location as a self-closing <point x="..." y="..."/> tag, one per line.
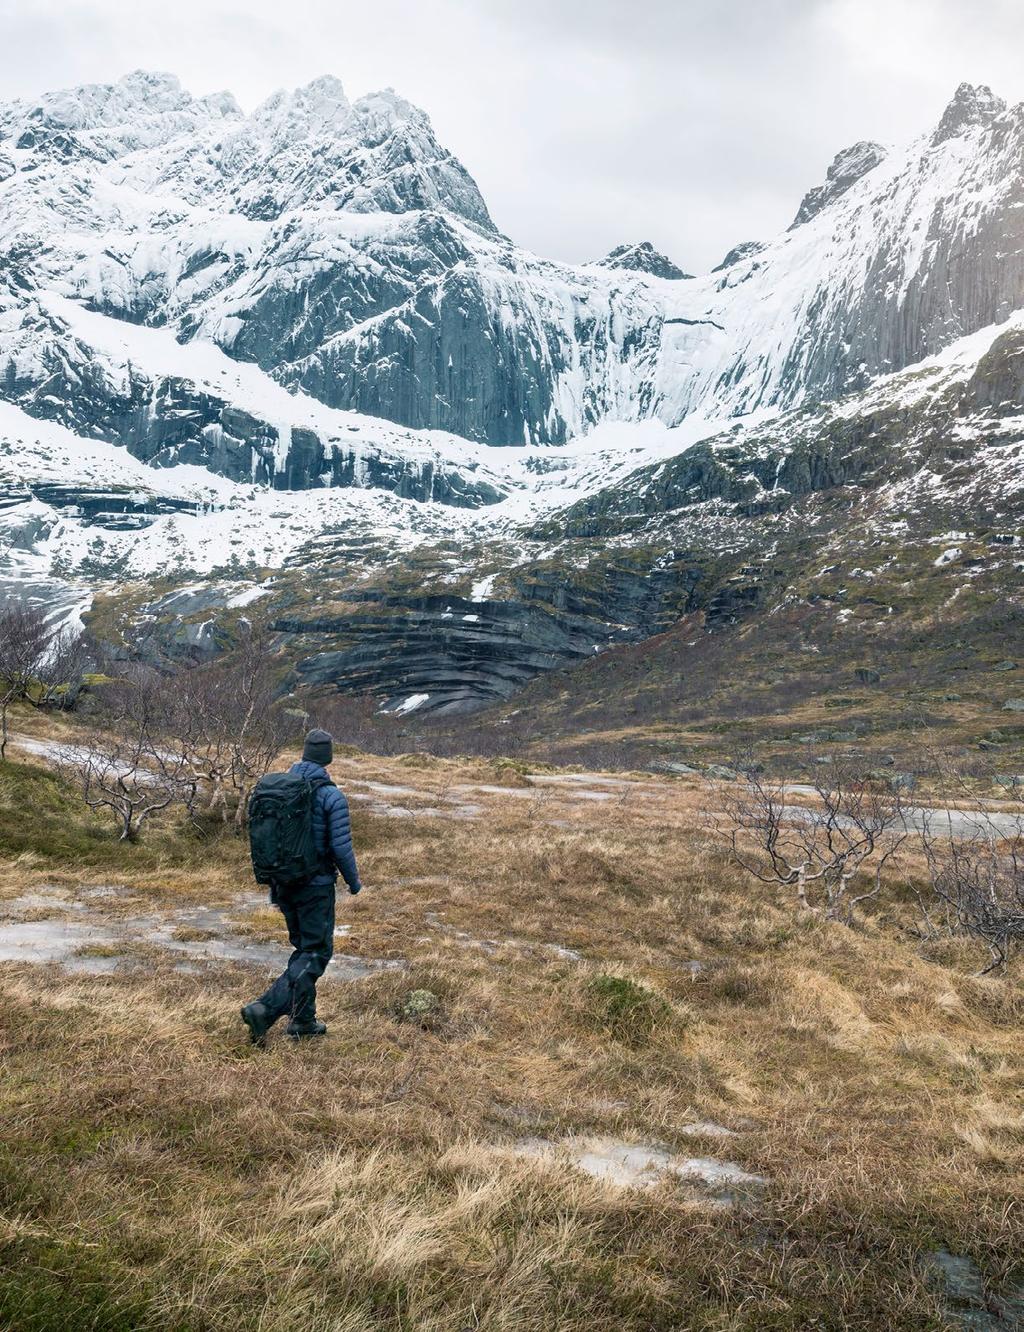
<point x="625" y="1009"/>
<point x="42" y="818"/>
<point x="61" y="1286"/>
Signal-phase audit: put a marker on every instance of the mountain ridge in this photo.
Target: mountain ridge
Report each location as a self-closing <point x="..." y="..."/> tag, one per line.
<point x="314" y="351"/>
<point x="361" y="265"/>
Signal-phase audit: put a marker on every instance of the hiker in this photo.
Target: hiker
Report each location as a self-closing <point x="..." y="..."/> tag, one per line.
<point x="300" y="836"/>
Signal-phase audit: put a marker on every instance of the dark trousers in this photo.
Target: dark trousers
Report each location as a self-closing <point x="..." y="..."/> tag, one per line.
<point x="309" y="913"/>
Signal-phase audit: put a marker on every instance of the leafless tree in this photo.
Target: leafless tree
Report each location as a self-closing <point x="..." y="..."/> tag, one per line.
<point x="976" y="870"/>
<point x="24" y="640"/>
<point x="129" y="764"/>
<point x="58" y="678"/>
<point x="850" y="829"/>
<point x="980" y="885"/>
<point x="229" y="724"/>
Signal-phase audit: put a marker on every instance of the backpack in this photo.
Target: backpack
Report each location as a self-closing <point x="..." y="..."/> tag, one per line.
<point x="284" y="851"/>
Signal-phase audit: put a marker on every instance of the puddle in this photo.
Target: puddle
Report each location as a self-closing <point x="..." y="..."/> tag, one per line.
<point x="43" y="902"/>
<point x="347" y="967"/>
<point x="641" y="1165"/>
<point x="386" y="811"/>
<point x="569" y="786"/>
<point x="56" y="751"/>
<point x="65" y="941"/>
<point x="60" y="941"/>
<point x="559" y="950"/>
<point x="968" y="1302"/>
<point x="383" y="788"/>
<point x="219" y="948"/>
<point x="516" y="792"/>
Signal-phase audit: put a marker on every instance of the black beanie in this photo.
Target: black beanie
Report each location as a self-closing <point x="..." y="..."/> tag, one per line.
<point x="318" y="748"/>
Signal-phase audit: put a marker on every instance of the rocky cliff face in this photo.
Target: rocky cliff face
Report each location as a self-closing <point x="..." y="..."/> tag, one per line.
<point x="340" y="248"/>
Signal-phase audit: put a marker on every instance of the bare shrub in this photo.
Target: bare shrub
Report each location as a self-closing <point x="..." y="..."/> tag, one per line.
<point x="229" y="724"/>
<point x="850" y="829"/>
<point x="130" y="765"/>
<point x="24" y="640"/>
<point x="58" y="677"/>
<point x="980" y="886"/>
<point x="976" y="870"/>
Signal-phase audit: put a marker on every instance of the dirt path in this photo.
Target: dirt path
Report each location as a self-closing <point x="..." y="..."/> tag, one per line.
<point x="463" y="800"/>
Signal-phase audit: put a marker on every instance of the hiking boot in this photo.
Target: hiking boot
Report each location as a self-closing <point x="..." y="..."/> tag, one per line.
<point x="258" y="1020"/>
<point x="298" y="1030"/>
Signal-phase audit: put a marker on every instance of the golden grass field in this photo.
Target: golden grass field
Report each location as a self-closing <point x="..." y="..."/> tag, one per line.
<point x="159" y="1173"/>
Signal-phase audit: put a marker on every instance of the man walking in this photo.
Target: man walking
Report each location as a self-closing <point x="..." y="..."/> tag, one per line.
<point x="308" y="905"/>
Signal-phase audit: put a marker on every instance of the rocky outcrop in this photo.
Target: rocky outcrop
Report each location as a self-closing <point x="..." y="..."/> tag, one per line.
<point x="449" y="654"/>
<point x="437" y="651"/>
<point x="846" y="169"/>
<point x="454" y="654"/>
<point x="739" y="253"/>
<point x="972" y="105"/>
<point x="169" y="421"/>
<point x="643" y="258"/>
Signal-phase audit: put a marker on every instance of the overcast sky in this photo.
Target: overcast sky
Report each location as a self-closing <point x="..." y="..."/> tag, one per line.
<point x="691" y="123"/>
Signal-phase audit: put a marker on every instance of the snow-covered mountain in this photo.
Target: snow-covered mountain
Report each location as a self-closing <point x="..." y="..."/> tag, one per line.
<point x="342" y="250"/>
<point x="235" y="344"/>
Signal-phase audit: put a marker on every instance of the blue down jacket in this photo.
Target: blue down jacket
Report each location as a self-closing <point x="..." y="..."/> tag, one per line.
<point x="332" y="828"/>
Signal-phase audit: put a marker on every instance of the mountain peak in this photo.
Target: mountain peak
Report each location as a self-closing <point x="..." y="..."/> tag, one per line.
<point x="846" y="169"/>
<point x="381" y="113"/>
<point x="318" y="107"/>
<point x="971" y="104"/>
<point x="642" y="257"/>
<point x="104" y="105"/>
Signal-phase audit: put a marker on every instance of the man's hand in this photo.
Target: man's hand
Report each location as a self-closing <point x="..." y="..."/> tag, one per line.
<point x="355" y="889"/>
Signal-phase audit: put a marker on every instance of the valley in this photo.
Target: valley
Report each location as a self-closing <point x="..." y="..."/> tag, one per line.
<point x="670" y="630"/>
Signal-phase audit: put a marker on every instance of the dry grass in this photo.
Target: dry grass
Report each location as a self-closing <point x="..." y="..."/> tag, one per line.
<point x="156" y="1172"/>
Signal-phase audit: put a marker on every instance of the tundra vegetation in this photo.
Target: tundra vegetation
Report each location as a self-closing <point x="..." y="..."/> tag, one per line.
<point x="547" y="968"/>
